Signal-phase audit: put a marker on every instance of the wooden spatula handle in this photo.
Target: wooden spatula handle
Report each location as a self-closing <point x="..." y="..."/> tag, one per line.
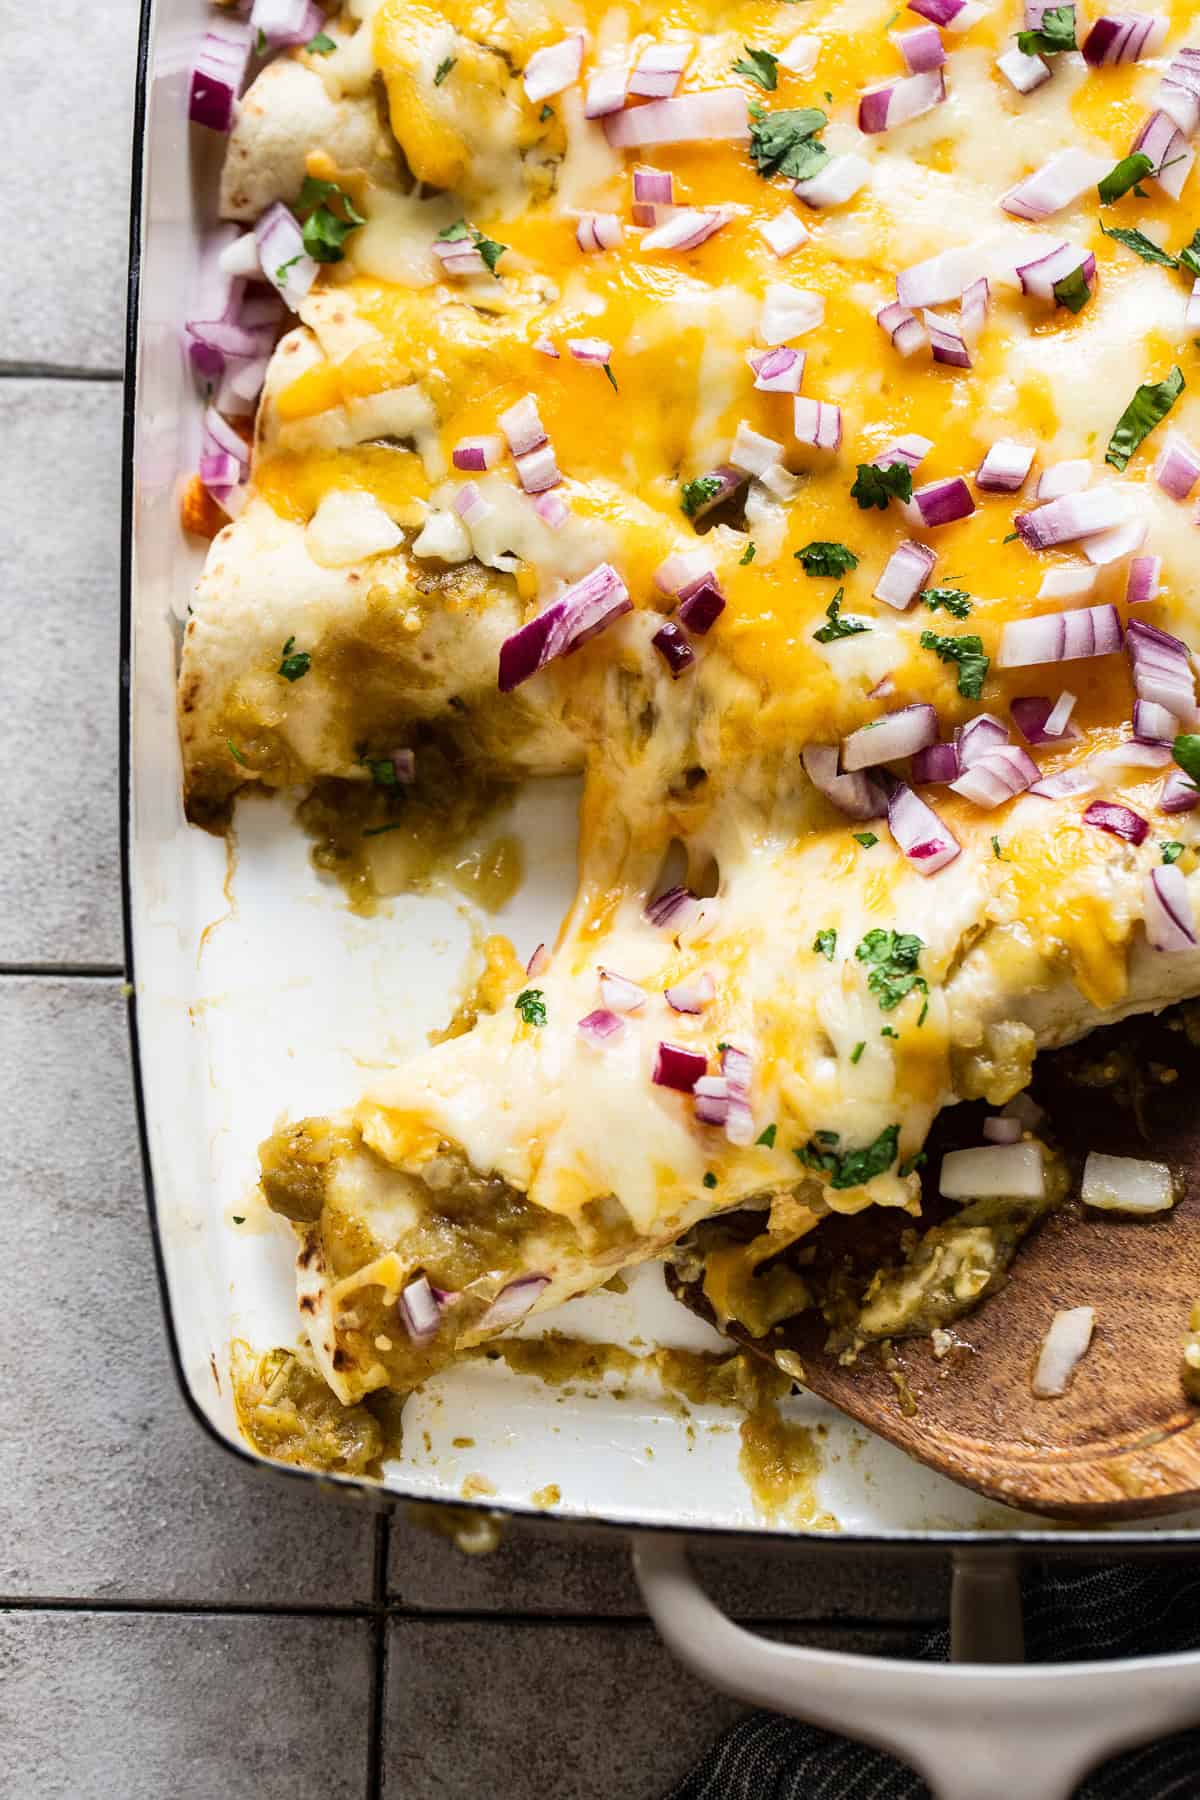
<point x="974" y="1730"/>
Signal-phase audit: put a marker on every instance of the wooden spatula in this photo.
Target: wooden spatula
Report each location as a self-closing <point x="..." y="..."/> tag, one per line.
<point x="1124" y="1441"/>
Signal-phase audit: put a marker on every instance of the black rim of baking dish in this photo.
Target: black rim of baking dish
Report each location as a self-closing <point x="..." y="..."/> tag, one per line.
<point x="1098" y="1541"/>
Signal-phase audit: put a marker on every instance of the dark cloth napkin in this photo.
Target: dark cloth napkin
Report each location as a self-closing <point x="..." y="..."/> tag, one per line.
<point x="1072" y="1614"/>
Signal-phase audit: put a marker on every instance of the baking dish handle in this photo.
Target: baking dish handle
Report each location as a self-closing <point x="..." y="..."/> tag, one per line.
<point x="975" y="1730"/>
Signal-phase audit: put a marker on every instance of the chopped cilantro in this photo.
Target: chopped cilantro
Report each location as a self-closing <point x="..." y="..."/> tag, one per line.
<point x="239" y="1218"/>
<point x="825" y="943"/>
<point x="547" y="112"/>
<point x="837" y="626"/>
<point x="888" y="1032"/>
<point x="760" y="66"/>
<point x="858" y="1050"/>
<point x="321" y="45"/>
<point x="967" y="652"/>
<point x="923" y="1014"/>
<point x="823" y="558"/>
<point x="383" y="770"/>
<point x="953" y="600"/>
<point x="850" y="1168"/>
<point x="531" y="1006"/>
<point x="1172" y="851"/>
<point x="1011" y="538"/>
<point x="294" y="663"/>
<point x="694" y="494"/>
<point x="1143" y="246"/>
<point x="997" y="852"/>
<point x="1055" y="33"/>
<point x="491" y="253"/>
<point x="912" y="1163"/>
<point x="767" y="1137"/>
<point x="1072" y="291"/>
<point x="1151" y="403"/>
<point x="710" y="1180"/>
<point x="785" y="143"/>
<point x="613" y="380"/>
<point x="454" y="234"/>
<point x="260" y="42"/>
<point x="892" y="958"/>
<point x="283" y="268"/>
<point x="443" y="69"/>
<point x="748" y="554"/>
<point x="874" y="486"/>
<point x="1186" y="751"/>
<point x="1124" y="175"/>
<point x="1189" y="256"/>
<point x="331" y="217"/>
<point x="238" y="757"/>
<point x="867" y="839"/>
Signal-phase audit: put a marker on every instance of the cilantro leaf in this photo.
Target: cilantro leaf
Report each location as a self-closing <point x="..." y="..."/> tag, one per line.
<point x="1124" y="175"/>
<point x="1055" y="34"/>
<point x="491" y="253"/>
<point x="748" y="554"/>
<point x="823" y="558"/>
<point x="892" y="957"/>
<point x="825" y="943"/>
<point x="837" y="626"/>
<point x="1151" y="404"/>
<point x="694" y="494"/>
<point x="1172" y="850"/>
<point x="874" y="486"/>
<point x="443" y="69"/>
<point x="710" y="1180"/>
<point x="760" y="66"/>
<point x="1186" y="751"/>
<point x="332" y="216"/>
<point x="767" y="1137"/>
<point x="547" y="112"/>
<point x="531" y="1006"/>
<point x="454" y="234"/>
<point x="997" y="852"/>
<point x="1072" y="291"/>
<point x="237" y="755"/>
<point x="912" y="1162"/>
<point x="858" y="1050"/>
<point x="785" y="143"/>
<point x="294" y="663"/>
<point x="616" y="390"/>
<point x="1144" y="246"/>
<point x="383" y="771"/>
<point x="967" y="652"/>
<point x="321" y="45"/>
<point x="953" y="600"/>
<point x="867" y="839"/>
<point x="1189" y="256"/>
<point x="850" y="1168"/>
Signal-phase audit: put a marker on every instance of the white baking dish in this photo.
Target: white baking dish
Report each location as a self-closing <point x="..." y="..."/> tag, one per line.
<point x="260" y="994"/>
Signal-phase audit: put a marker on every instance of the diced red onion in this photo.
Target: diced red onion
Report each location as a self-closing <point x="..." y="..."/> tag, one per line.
<point x="905" y="573"/>
<point x="513" y="1302"/>
<point x="677" y="1067"/>
<point x="459" y="257"/>
<point x="1067" y="782"/>
<point x="674" y="649"/>
<point x="955" y="15"/>
<point x="1032" y="716"/>
<point x="729" y="480"/>
<point x="978" y="736"/>
<point x="895" y="735"/>
<point x="1129" y="754"/>
<point x="895" y="103"/>
<point x="1142" y="583"/>
<point x="753" y="452"/>
<point x="973" y="309"/>
<point x="620" y="994"/>
<point x="419" y="1311"/>
<point x="551" y="70"/>
<point x="686" y="229"/>
<point x="1177" y="469"/>
<point x="788" y="312"/>
<point x="1002" y="1131"/>
<point x="1042" y="275"/>
<point x="1024" y="73"/>
<point x="239" y="261"/>
<point x="545" y="347"/>
<point x="522" y="426"/>
<point x="605" y="92"/>
<point x="1123" y="37"/>
<point x="552" y="510"/>
<point x="938" y="279"/>
<point x="471" y="505"/>
<point x="585" y="608"/>
<point x="590" y="350"/>
<point x="737" y="1066"/>
<point x="719" y="115"/>
<point x="816" y="422"/>
<point x="1154" y="724"/>
<point x="918" y="831"/>
<point x="858" y="796"/>
<point x="936" y="764"/>
<point x="598" y="231"/>
<point x="946" y="341"/>
<point x="1121" y="821"/>
<point x="1162" y="669"/>
<point x="285" y="24"/>
<point x="1172" y="156"/>
<point x="838" y="181"/>
<point x="474" y="455"/>
<point x="1070" y="581"/>
<point x="941" y="502"/>
<point x="538" y="469"/>
<point x="217" y="437"/>
<point x="784" y="233"/>
<point x="1060" y="716"/>
<point x="701" y="605"/>
<point x="1178" y="794"/>
<point x="685" y="568"/>
<point x="910" y="450"/>
<point x="902" y="326"/>
<point x="800" y="55"/>
<point x="1178" y="93"/>
<point x="219" y="73"/>
<point x="538" y="961"/>
<point x="219" y="472"/>
<point x="1005" y="467"/>
<point x="1114" y="545"/>
<point x="597" y="1027"/>
<point x="1074" y="516"/>
<point x="778" y="371"/>
<point x="996" y="776"/>
<point x="1059" y="637"/>
<point x="921" y="48"/>
<point x="658" y="70"/>
<point x="655" y="186"/>
<point x="674" y="906"/>
<point x="1058" y="183"/>
<point x="691" y="996"/>
<point x="1064" y="478"/>
<point x="1169" y="916"/>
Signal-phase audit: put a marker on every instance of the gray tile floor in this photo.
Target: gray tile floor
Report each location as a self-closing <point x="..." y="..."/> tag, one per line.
<point x="171" y="1623"/>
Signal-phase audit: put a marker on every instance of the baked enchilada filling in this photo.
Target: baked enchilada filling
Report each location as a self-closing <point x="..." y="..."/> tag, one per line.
<point x="785" y="424"/>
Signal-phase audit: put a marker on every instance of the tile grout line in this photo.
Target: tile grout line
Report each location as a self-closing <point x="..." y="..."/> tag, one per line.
<point x="189" y="1609"/>
<point x="377" y="1699"/>
<point x="19" y="371"/>
<point x="71" y="971"/>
